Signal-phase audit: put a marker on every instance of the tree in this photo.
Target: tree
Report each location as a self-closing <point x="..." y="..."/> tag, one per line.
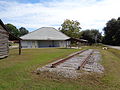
<point x="93" y="35"/>
<point x="70" y="28"/>
<point x="112" y="32"/>
<point x="13" y="30"/>
<point x="23" y="31"/>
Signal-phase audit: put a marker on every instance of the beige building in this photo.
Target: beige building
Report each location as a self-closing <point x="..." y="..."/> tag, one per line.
<point x="44" y="37"/>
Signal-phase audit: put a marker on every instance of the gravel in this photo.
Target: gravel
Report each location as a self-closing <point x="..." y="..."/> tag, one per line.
<point x="68" y="69"/>
<point x="93" y="65"/>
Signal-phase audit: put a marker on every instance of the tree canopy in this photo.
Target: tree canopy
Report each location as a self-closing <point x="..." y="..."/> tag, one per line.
<point x="13" y="30"/>
<point x="17" y="32"/>
<point x="93" y="35"/>
<point x="70" y="28"/>
<point x="23" y="31"/>
<point x="112" y="32"/>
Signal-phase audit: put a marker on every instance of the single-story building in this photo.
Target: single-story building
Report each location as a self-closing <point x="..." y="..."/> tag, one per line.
<point x="79" y="42"/>
<point x="44" y="37"/>
<point x="5" y="37"/>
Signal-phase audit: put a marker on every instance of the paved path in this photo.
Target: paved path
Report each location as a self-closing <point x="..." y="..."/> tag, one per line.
<point x="116" y="47"/>
<point x="12" y="47"/>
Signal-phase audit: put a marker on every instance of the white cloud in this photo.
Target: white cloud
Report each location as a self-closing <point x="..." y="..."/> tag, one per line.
<point x="90" y="13"/>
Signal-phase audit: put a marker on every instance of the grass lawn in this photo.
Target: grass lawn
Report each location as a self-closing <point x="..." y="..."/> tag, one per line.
<point x="16" y="71"/>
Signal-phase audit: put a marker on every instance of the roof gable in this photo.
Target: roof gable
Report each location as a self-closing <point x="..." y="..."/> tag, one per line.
<point x="45" y="33"/>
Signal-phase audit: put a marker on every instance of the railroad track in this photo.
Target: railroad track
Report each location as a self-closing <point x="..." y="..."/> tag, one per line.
<point x="65" y="59"/>
<point x="68" y="66"/>
<point x="85" y="61"/>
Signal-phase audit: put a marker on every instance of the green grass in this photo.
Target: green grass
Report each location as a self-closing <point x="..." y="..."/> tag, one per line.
<point x="16" y="71"/>
<point x="111" y="63"/>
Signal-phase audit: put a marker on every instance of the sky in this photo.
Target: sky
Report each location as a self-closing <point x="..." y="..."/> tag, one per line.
<point x="33" y="14"/>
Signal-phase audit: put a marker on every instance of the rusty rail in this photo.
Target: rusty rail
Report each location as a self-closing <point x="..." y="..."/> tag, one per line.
<point x="85" y="61"/>
<point x="65" y="59"/>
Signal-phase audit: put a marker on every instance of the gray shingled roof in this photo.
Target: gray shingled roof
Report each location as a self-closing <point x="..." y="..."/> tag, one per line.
<point x="45" y="33"/>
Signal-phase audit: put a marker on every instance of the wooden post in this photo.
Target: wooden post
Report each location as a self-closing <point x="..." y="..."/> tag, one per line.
<point x="19" y="47"/>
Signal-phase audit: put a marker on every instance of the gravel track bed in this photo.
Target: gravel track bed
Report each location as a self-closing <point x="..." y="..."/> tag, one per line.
<point x="69" y="68"/>
<point x="93" y="65"/>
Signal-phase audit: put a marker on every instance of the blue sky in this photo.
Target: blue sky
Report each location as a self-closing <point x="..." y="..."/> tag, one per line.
<point x="29" y="1"/>
<point x="33" y="14"/>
